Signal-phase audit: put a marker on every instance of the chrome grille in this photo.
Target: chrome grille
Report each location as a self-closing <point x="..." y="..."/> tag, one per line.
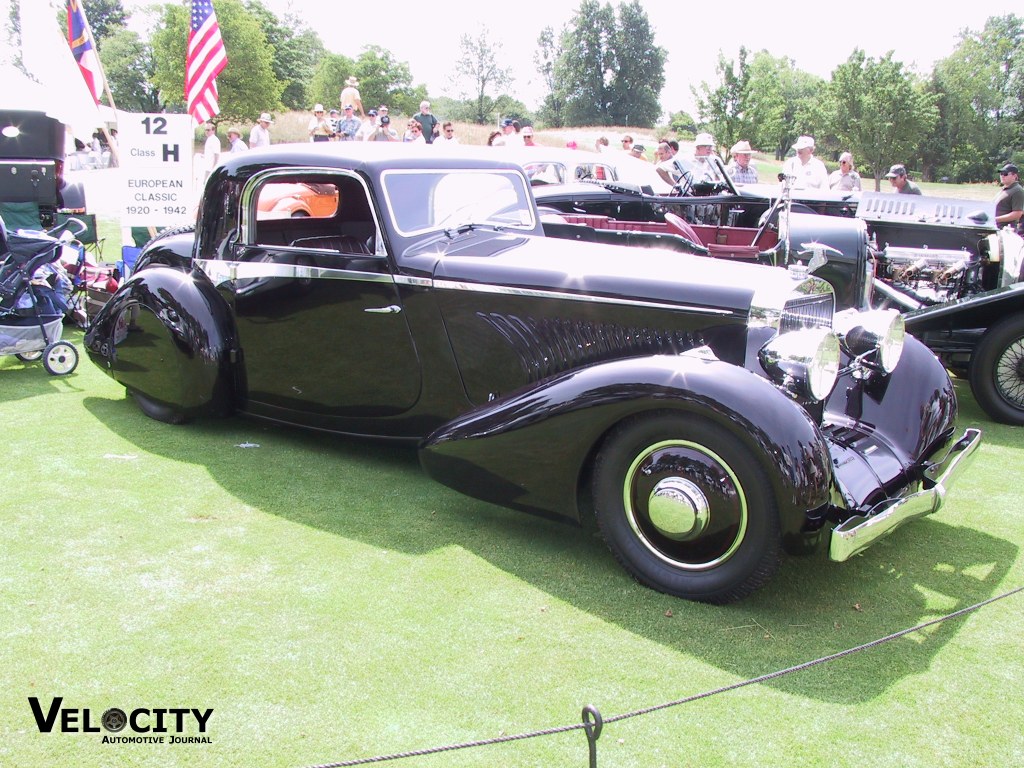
<point x="807" y="312"/>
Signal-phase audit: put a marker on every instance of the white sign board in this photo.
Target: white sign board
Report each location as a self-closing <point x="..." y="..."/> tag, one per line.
<point x="156" y="154"/>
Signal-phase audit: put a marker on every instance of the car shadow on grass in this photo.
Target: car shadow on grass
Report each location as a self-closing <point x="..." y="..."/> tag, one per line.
<point x="376" y="494"/>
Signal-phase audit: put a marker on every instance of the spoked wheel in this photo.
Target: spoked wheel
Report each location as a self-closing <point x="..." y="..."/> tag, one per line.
<point x="60" y="358"/>
<point x="686" y="508"/>
<point x="29" y="357"/>
<point x="997" y="371"/>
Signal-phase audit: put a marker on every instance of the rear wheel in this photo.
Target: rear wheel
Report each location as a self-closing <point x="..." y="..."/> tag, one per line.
<point x="686" y="508"/>
<point x="168" y="414"/>
<point x="29" y="357"/>
<point x="60" y="358"/>
<point x="997" y="371"/>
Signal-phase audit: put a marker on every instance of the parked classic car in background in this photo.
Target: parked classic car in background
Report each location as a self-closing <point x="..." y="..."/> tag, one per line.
<point x="280" y="200"/>
<point x="713" y="414"/>
<point x="941" y="261"/>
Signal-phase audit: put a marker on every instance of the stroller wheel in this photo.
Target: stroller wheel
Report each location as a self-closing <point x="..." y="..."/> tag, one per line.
<point x="60" y="358"/>
<point x="29" y="357"/>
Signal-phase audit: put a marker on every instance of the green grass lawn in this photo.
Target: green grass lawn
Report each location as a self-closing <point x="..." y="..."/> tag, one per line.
<point x="328" y="602"/>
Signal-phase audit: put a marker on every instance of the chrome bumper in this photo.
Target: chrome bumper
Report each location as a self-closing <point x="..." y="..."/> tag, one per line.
<point x="860" y="532"/>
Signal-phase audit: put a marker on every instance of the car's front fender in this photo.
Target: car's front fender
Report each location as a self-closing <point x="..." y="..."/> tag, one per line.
<point x="529" y="450"/>
<point x="167" y="335"/>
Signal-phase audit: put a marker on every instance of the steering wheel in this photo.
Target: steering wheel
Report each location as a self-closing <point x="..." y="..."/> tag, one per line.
<point x="683" y="228"/>
<point x="683" y="186"/>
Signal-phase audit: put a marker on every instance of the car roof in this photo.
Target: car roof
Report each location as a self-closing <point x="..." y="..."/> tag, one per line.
<point x="371" y="158"/>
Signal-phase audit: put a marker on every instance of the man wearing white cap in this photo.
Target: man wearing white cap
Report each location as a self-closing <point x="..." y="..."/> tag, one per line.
<point x="259" y="136"/>
<point x="349" y="125"/>
<point x="701" y="168"/>
<point x="740" y="169"/>
<point x="807" y="171"/>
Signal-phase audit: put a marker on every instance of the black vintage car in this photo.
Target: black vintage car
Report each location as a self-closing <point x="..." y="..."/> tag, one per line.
<point x="715" y="414"/>
<point x="940" y="261"/>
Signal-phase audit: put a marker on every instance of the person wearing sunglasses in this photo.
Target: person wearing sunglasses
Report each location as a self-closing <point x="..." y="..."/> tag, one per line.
<point x="845" y="179"/>
<point x="413" y="133"/>
<point x="901" y="182"/>
<point x="447" y="135"/>
<point x="319" y="125"/>
<point x="1010" y="199"/>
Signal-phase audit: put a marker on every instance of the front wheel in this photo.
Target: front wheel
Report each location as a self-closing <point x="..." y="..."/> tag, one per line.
<point x="997" y="371"/>
<point x="29" y="357"/>
<point x="60" y="358"/>
<point x="686" y="508"/>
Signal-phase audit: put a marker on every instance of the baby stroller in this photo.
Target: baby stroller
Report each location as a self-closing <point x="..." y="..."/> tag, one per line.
<point x="33" y="298"/>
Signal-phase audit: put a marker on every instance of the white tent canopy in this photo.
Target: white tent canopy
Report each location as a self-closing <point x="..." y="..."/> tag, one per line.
<point x="56" y="86"/>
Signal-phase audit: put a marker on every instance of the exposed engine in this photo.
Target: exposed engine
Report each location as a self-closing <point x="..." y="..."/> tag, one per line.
<point x="928" y="275"/>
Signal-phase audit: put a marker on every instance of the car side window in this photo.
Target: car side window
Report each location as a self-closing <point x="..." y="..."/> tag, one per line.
<point x="313" y="212"/>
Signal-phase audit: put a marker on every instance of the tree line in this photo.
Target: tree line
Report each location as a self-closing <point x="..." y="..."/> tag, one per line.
<point x="958" y="122"/>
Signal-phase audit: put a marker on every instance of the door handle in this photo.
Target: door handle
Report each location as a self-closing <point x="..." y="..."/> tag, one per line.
<point x="391" y="309"/>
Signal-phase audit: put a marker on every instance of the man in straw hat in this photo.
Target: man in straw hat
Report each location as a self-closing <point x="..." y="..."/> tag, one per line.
<point x="740" y="169"/>
<point x="350" y="95"/>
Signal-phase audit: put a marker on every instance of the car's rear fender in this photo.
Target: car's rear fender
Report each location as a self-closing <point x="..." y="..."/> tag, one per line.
<point x="177" y="352"/>
<point x="529" y="450"/>
<point x="172" y="249"/>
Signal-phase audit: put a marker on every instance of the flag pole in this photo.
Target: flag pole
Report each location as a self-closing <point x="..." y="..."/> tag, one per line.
<point x="106" y="89"/>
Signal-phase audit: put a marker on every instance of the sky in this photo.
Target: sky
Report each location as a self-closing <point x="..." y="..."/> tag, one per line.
<point x="427" y="35"/>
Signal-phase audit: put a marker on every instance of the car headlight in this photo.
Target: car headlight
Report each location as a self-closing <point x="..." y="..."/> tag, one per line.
<point x="874" y="337"/>
<point x="805" y="362"/>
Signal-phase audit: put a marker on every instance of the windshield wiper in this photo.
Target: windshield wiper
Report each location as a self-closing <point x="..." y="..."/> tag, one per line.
<point x="462" y="229"/>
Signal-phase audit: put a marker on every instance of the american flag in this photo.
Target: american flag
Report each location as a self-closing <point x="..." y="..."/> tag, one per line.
<point x="203" y="62"/>
<point x="83" y="50"/>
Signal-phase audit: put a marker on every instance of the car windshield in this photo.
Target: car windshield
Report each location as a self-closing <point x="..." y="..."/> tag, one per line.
<point x="420" y="201"/>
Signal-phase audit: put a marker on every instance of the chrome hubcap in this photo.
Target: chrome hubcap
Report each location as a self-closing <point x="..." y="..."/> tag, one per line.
<point x="678" y="509"/>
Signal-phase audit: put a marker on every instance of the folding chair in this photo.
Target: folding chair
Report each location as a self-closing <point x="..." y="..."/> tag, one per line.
<point x="90" y="237"/>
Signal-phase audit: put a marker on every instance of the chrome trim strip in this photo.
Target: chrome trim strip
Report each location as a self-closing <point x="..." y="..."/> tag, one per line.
<point x="415" y="282"/>
<point x="536" y="293"/>
<point x="221" y="272"/>
<point x="861" y="531"/>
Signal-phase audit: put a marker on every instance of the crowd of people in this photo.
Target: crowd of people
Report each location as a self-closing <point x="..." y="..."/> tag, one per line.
<point x="804" y="170"/>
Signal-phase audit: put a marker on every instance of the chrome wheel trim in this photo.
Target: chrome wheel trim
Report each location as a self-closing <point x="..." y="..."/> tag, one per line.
<point x="679" y="499"/>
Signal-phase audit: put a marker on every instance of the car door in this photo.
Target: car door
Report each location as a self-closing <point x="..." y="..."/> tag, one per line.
<point x="321" y="328"/>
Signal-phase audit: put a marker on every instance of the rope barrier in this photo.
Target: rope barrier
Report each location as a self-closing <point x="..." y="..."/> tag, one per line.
<point x="593" y="722"/>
